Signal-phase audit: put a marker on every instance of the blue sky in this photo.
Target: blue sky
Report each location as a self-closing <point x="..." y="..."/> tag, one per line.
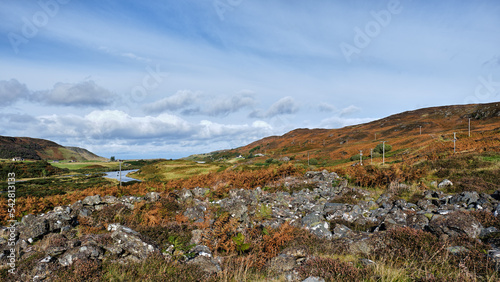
<point x="144" y="79"/>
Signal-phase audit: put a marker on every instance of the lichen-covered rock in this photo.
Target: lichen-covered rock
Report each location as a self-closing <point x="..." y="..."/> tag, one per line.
<point x="92" y="200"/>
<point x="131" y="241"/>
<point x="237" y="208"/>
<point x="363" y="246"/>
<point x="341" y="231"/>
<point x="297" y="252"/>
<point x="455" y="224"/>
<point x="316" y="224"/>
<point x="395" y="218"/>
<point x="313" y="279"/>
<point x="445" y="183"/>
<point x="200" y="192"/>
<point x="466" y="198"/>
<point x="90" y="251"/>
<point x="185" y="194"/>
<point x="417" y="221"/>
<point x="427" y="205"/>
<point x="334" y="211"/>
<point x="34" y="227"/>
<point x="281" y="263"/>
<point x="196" y="214"/>
<point x="152" y="197"/>
<point x="323" y="175"/>
<point x="207" y="264"/>
<point x="110" y="200"/>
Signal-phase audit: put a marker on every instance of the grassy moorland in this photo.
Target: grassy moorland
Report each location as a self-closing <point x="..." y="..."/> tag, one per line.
<point x="175" y="169"/>
<point x="246" y="251"/>
<point x="408" y="255"/>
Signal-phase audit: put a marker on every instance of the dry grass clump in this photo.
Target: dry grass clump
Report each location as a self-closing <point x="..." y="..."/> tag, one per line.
<point x="333" y="270"/>
<point x="425" y="257"/>
<point x="486" y="219"/>
<point x="375" y="176"/>
<point x="154" y="268"/>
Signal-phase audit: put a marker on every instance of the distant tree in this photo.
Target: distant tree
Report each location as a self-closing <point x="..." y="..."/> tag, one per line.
<point x="254" y="149"/>
<point x="379" y="148"/>
<point x="112" y="159"/>
<point x="356" y="158"/>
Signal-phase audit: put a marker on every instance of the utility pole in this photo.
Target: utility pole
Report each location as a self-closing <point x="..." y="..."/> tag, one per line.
<point x="361" y="157"/>
<point x="454" y="142"/>
<point x="383" y="152"/>
<point x="375" y="136"/>
<point x="120" y="174"/>
<point x="420" y="130"/>
<point x="371" y="156"/>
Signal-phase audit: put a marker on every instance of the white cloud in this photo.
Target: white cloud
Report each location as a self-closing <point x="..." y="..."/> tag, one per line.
<point x="232" y="105"/>
<point x="284" y="106"/>
<point x="107" y="127"/>
<point x="194" y="103"/>
<point x="349" y="111"/>
<point x="180" y="100"/>
<point x="325" y="107"/>
<point x="223" y="106"/>
<point x="114" y="125"/>
<point x="339" y="122"/>
<point x="86" y="94"/>
<point x="12" y="91"/>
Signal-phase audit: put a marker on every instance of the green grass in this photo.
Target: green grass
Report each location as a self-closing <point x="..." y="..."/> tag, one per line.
<point x="491" y="158"/>
<point x="43" y="187"/>
<point x="80" y="165"/>
<point x="174" y="169"/>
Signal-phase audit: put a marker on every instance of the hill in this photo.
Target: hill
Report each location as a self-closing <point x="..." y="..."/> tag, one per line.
<point x="41" y="149"/>
<point x="414" y="135"/>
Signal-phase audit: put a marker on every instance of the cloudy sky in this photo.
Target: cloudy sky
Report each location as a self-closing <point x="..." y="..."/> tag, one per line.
<point x="144" y="79"/>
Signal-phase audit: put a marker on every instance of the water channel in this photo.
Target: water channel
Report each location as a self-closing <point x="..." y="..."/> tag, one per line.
<point x="125" y="178"/>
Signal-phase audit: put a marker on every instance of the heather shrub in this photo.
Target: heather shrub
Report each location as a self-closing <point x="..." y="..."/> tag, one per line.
<point x="164" y="235"/>
<point x="80" y="271"/>
<point x="332" y="270"/>
<point x="351" y="197"/>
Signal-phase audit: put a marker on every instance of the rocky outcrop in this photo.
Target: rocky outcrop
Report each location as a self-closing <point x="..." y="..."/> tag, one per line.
<point x="455" y="224"/>
<point x="35" y="227"/>
<point x="131" y="242"/>
<point x="329" y="209"/>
